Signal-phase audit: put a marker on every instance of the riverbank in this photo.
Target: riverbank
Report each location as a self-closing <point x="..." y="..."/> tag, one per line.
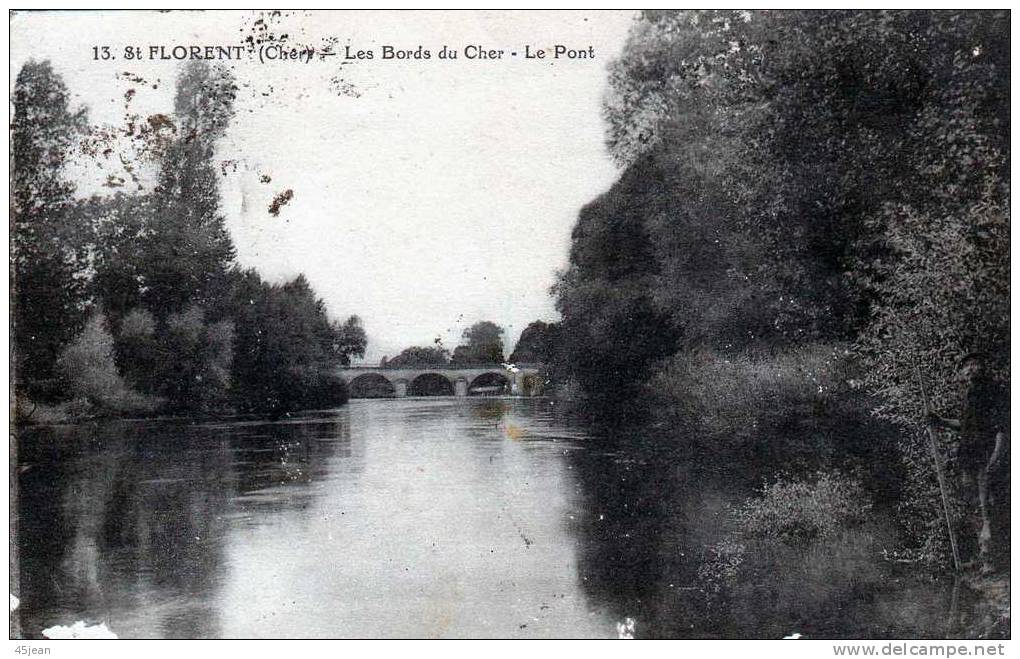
<point x="77" y="411"/>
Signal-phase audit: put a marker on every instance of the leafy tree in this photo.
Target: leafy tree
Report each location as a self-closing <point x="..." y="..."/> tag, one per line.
<point x="194" y="369"/>
<point x="760" y="146"/>
<point x="122" y="225"/>
<point x="349" y="340"/>
<point x="783" y="173"/>
<point x="537" y="344"/>
<point x="187" y="251"/>
<point x="806" y="124"/>
<point x="483" y="345"/>
<point x="87" y="366"/>
<point x="249" y="302"/>
<point x="943" y="293"/>
<point x="287" y="347"/>
<point x="416" y="356"/>
<point x="611" y="331"/>
<point x="48" y="241"/>
<point x="87" y="363"/>
<point x="139" y="353"/>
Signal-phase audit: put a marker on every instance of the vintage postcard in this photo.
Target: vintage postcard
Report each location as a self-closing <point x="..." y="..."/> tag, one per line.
<point x="682" y="324"/>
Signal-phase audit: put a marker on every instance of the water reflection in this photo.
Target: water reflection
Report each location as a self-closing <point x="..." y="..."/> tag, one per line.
<point x="129" y="526"/>
<point x="392" y="518"/>
<point x="422" y="518"/>
<point x="293" y="454"/>
<point x="637" y="537"/>
<point x="659" y="513"/>
<point x="126" y="522"/>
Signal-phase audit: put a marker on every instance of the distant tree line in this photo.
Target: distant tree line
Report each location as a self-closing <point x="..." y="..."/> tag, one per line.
<point x="483" y="344"/>
<point x="812" y="219"/>
<point x="134" y="302"/>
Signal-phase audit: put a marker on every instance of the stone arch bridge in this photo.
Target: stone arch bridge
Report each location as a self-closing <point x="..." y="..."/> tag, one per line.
<point x="450" y="380"/>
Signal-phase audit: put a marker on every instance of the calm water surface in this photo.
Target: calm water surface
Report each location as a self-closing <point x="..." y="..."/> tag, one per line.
<point x="387" y="518"/>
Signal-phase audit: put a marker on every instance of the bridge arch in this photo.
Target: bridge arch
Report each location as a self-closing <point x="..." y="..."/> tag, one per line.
<point x="371" y="385"/>
<point x="430" y="384"/>
<point x="491" y="383"/>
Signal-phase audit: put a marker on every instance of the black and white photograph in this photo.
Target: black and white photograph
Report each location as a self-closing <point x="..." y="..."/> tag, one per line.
<point x="503" y="324"/>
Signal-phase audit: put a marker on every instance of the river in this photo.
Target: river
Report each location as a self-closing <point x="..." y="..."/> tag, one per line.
<point x="418" y="517"/>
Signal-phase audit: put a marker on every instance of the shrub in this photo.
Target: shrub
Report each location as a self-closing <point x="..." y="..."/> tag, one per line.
<point x="738" y="396"/>
<point x="796" y="553"/>
<point x="88" y="368"/>
<point x="799" y="511"/>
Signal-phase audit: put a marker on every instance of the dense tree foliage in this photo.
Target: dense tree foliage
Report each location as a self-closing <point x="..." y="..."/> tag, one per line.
<point x="174" y="322"/>
<point x="139" y="353"/>
<point x="349" y="340"/>
<point x="483" y="344"/>
<point x="944" y="293"/>
<point x="537" y="344"/>
<point x="194" y="373"/>
<point x="87" y="369"/>
<point x="49" y="238"/>
<point x="122" y="233"/>
<point x="287" y="348"/>
<point x="187" y="251"/>
<point x="794" y="182"/>
<point x="416" y="356"/>
<point x="786" y="135"/>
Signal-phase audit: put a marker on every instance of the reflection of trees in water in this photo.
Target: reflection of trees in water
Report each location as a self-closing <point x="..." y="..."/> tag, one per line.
<point x="290" y="455"/>
<point x="135" y="524"/>
<point x="483" y="416"/>
<point x="126" y="522"/>
<point x="655" y="516"/>
<point x="57" y="522"/>
<point x="632" y="540"/>
<point x="166" y="523"/>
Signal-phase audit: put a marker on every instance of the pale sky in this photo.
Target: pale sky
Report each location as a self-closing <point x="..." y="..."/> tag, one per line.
<point x="427" y="194"/>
